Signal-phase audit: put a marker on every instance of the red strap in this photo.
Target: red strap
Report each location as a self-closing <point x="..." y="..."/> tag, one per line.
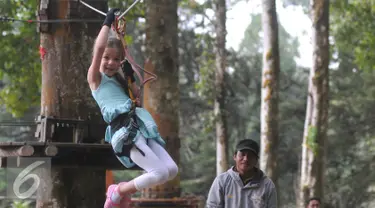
<point x="42" y="52"/>
<point x="136" y="68"/>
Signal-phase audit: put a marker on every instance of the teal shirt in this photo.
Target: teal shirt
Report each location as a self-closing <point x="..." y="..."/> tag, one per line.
<point x="113" y="101"/>
<point x="111" y="98"/>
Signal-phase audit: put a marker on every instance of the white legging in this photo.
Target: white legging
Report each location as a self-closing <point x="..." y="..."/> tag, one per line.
<point x="157" y="163"/>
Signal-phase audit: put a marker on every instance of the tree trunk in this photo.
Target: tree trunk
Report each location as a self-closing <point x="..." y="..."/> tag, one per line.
<point x="161" y="97"/>
<point x="67" y="49"/>
<point x="315" y="130"/>
<point x="270" y="91"/>
<point x="219" y="106"/>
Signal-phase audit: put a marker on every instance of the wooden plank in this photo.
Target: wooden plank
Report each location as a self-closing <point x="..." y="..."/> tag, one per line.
<point x="48" y="149"/>
<point x="11" y="143"/>
<point x="78" y="160"/>
<point x="173" y="200"/>
<point x="80" y="145"/>
<point x="56" y="144"/>
<point x="25" y="150"/>
<point x="67" y="155"/>
<point x="189" y="202"/>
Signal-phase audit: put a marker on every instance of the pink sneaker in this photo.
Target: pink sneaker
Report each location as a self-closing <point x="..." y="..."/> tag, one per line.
<point x="124" y="203"/>
<point x="108" y="202"/>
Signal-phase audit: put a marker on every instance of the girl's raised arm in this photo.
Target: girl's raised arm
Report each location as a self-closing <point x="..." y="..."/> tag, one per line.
<point x="93" y="75"/>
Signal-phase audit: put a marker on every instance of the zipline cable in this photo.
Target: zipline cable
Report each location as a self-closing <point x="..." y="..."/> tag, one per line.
<point x="93" y="8"/>
<point x="126" y="11"/>
<point x="103" y="13"/>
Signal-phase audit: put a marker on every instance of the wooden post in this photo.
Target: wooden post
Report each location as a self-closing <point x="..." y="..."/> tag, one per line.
<point x="66" y="51"/>
<point x="109" y="178"/>
<point x="161" y="97"/>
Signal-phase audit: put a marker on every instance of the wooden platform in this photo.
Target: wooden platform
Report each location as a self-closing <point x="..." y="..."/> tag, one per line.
<point x="69" y="155"/>
<point x="182" y="202"/>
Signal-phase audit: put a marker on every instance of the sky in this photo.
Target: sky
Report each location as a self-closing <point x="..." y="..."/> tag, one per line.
<point x="292" y="18"/>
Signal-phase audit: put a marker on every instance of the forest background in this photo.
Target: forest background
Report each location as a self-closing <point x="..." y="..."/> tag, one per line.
<point x="350" y="156"/>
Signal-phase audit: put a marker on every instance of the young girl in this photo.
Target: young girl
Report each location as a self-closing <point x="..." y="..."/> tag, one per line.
<point x="132" y="131"/>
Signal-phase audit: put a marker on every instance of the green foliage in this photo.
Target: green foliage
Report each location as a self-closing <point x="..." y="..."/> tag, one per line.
<point x="128" y="39"/>
<point x="252" y="36"/>
<point x="126" y="175"/>
<point x="21" y="204"/>
<point x="20" y="69"/>
<point x="304" y="3"/>
<point x="199" y="168"/>
<point x="3" y="179"/>
<point x="353" y="30"/>
<point x="138" y="11"/>
<point x="311" y="139"/>
<point x="350" y="133"/>
<point x="206" y="84"/>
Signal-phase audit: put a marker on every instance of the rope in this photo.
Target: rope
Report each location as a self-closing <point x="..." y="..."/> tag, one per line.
<point x="9" y="19"/>
<point x="120" y="28"/>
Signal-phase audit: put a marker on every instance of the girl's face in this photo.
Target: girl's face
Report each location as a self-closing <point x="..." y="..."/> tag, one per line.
<point x="111" y="61"/>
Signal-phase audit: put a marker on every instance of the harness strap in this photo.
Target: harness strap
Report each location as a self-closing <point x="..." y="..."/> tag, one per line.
<point x="137" y="68"/>
<point x="124" y="120"/>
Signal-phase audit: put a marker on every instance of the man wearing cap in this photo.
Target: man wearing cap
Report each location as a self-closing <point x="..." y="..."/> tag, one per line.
<point x="243" y="185"/>
<point x="313" y="203"/>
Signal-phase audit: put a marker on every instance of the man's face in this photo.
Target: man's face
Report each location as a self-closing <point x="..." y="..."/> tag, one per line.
<point x="313" y="204"/>
<point x="245" y="160"/>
